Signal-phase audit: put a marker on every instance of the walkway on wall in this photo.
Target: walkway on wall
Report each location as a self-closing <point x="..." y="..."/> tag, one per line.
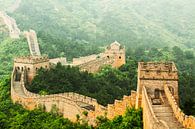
<point x="14" y="31"/>
<point x="157" y="111"/>
<point x="165" y="113"/>
<point x="83" y="102"/>
<point x="95" y="65"/>
<point x="33" y="43"/>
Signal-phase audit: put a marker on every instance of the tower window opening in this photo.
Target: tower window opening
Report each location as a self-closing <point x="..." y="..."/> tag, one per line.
<point x="119" y="57"/>
<point x="108" y="56"/>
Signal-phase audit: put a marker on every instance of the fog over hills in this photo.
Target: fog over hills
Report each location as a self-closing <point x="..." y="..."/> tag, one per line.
<point x="131" y="22"/>
<point x="155" y="31"/>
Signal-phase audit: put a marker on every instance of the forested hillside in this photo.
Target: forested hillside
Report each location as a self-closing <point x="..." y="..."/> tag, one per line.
<point x="3" y="30"/>
<point x="132" y="22"/>
<point x="78" y="28"/>
<point x="10" y="48"/>
<point x="110" y="84"/>
<point x="151" y="30"/>
<point x="13" y="116"/>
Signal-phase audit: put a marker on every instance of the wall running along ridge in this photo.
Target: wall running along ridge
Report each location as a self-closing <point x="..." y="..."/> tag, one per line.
<point x="187" y="121"/>
<point x="14" y="31"/>
<point x="32" y="42"/>
<point x="157" y="94"/>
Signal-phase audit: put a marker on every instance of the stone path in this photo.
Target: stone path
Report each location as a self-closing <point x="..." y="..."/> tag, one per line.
<point x="164" y="112"/>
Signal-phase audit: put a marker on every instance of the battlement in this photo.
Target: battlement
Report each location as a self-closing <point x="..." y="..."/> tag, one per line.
<point x="157" y="71"/>
<point x="157" y="66"/>
<point x="115" y="49"/>
<point x="186" y="121"/>
<point x="115" y="46"/>
<point x="14" y="31"/>
<point x="31" y="59"/>
<point x="81" y="60"/>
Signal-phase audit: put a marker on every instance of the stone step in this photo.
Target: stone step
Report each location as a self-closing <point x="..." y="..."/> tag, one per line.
<point x="172" y="124"/>
<point x="164" y="114"/>
<point x="162" y="109"/>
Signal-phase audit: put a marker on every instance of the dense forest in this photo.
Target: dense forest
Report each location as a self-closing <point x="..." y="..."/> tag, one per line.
<point x="95" y="23"/>
<point x="110" y="84"/>
<point x="106" y="86"/>
<point x="13" y="116"/>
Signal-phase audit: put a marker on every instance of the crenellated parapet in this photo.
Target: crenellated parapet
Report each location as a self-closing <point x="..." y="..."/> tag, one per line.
<point x="68" y="104"/>
<point x="187" y="121"/>
<point x="117" y="51"/>
<point x="95" y="65"/>
<point x="157" y="71"/>
<point x="85" y="59"/>
<point x="149" y="118"/>
<point x="31" y="59"/>
<point x="119" y="106"/>
<point x="30" y="64"/>
<point x="114" y="55"/>
<point x="157" y="93"/>
<point x="153" y="75"/>
<point x="112" y="110"/>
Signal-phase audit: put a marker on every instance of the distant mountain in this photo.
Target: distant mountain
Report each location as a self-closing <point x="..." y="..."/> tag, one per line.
<point x="153" y="23"/>
<point x="4" y="32"/>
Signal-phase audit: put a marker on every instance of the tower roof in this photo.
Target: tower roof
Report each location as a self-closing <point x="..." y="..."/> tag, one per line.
<point x="115" y="43"/>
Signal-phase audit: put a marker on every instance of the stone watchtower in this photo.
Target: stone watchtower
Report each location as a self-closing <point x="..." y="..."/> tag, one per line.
<point x="154" y="76"/>
<point x="116" y="51"/>
<point x="30" y="65"/>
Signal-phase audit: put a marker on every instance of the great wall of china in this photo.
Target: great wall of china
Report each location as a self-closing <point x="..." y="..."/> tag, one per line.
<point x="157" y="88"/>
<point x="14" y="31"/>
<point x="32" y="42"/>
<point x="157" y="91"/>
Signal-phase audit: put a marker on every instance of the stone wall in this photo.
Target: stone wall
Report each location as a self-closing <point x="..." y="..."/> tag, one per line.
<point x="61" y="60"/>
<point x="66" y="103"/>
<point x="70" y="104"/>
<point x="14" y="31"/>
<point x="119" y="106"/>
<point x="116" y="51"/>
<point x="153" y="75"/>
<point x="85" y="59"/>
<point x="31" y="65"/>
<point x="187" y="121"/>
<point x="112" y="110"/>
<point x="32" y="42"/>
<point x="149" y="119"/>
<point x="95" y="65"/>
<point x="113" y="55"/>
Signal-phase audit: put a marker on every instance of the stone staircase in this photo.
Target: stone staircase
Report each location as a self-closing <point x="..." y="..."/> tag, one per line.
<point x="34" y="46"/>
<point x="165" y="113"/>
<point x="18" y="89"/>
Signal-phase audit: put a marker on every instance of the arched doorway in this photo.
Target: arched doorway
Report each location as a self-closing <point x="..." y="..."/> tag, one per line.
<point x="157" y="93"/>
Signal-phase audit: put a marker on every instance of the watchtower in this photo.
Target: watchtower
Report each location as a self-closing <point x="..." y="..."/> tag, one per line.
<point x="154" y="76"/>
<point x="116" y="51"/>
<point x="30" y="65"/>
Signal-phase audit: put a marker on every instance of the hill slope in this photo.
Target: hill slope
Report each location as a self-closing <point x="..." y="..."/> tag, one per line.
<point x="135" y="22"/>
